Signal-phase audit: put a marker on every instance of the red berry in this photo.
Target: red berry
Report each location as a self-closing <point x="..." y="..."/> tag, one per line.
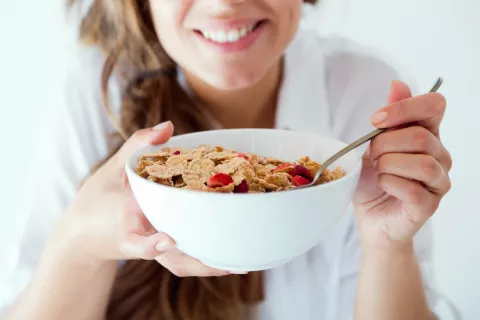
<point x="242" y="187"/>
<point x="242" y="155"/>
<point x="299" y="170"/>
<point x="299" y="181"/>
<point x="219" y="180"/>
<point x="176" y="153"/>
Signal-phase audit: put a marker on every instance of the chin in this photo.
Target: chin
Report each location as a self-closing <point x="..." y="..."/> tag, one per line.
<point x="234" y="80"/>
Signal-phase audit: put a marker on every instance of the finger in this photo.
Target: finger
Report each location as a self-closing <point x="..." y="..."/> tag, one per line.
<point x="410" y="140"/>
<point x="420" y="202"/>
<point x="131" y="217"/>
<point x="152" y="136"/>
<point x="183" y="265"/>
<point x="399" y="91"/>
<point x="136" y="246"/>
<point x="423" y="168"/>
<point x="425" y="110"/>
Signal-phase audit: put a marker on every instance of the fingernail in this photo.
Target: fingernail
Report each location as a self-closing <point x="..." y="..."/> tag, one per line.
<point x="161" y="126"/>
<point x="379" y="117"/>
<point x="162" y="245"/>
<point x="393" y="83"/>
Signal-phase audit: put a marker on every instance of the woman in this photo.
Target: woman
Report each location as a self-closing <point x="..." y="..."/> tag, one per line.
<point x="205" y="64"/>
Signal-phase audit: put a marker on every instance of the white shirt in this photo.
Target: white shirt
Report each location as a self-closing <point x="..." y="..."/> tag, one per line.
<point x="330" y="87"/>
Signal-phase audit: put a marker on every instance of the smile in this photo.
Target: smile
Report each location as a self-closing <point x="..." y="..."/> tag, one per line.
<point x="229" y="35"/>
<point x="233" y="37"/>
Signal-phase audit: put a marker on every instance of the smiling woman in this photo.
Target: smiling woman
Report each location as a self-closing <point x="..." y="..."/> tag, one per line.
<point x="224" y="46"/>
<point x="195" y="65"/>
<point x="146" y="36"/>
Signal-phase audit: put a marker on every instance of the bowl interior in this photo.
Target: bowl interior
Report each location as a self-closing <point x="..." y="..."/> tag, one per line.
<point x="281" y="144"/>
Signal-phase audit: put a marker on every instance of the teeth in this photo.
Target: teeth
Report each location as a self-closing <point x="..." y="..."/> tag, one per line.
<point x="233" y="35"/>
<point x="243" y="31"/>
<point x="220" y="36"/>
<point x="223" y="36"/>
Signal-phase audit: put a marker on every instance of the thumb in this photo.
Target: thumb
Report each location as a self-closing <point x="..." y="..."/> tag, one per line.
<point x="135" y="246"/>
<point x="151" y="136"/>
<point x="399" y="91"/>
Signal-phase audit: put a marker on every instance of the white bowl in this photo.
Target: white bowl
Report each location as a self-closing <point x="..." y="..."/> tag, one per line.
<point x="249" y="232"/>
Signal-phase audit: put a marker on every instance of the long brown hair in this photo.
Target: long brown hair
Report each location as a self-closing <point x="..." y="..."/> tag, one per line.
<point x="145" y="290"/>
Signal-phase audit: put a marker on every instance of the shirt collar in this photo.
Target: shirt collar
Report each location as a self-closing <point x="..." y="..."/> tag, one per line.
<point x="303" y="101"/>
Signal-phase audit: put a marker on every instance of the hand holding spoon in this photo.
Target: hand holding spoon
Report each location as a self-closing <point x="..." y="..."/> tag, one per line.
<point x="356" y="144"/>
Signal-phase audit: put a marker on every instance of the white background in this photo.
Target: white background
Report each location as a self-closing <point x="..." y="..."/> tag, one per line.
<point x="428" y="38"/>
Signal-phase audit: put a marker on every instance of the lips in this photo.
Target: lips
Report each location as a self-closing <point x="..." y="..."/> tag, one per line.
<point x="229" y="35"/>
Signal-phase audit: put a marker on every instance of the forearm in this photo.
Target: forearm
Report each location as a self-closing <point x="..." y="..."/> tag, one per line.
<point x="390" y="286"/>
<point x="66" y="287"/>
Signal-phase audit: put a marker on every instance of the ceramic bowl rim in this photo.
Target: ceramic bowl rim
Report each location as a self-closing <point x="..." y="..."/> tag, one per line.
<point x="131" y="171"/>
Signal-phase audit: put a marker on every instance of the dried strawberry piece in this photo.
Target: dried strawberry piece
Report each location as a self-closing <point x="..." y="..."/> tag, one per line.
<point x="242" y="155"/>
<point x="176" y="153"/>
<point x="282" y="167"/>
<point x="219" y="180"/>
<point x="299" y="170"/>
<point x="299" y="181"/>
<point x="242" y="187"/>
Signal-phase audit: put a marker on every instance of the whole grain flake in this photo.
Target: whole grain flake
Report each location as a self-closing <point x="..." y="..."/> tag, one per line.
<point x="217" y="169"/>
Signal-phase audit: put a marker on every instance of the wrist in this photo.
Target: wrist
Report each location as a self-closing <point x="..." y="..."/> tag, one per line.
<point x="68" y="245"/>
<point x="401" y="251"/>
<point x="390" y="284"/>
<point x="67" y="255"/>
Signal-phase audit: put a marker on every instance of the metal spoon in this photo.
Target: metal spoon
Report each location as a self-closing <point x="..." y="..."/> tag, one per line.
<point x="356" y="144"/>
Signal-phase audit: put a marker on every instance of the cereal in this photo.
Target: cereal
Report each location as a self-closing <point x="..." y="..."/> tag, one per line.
<point x="177" y="163"/>
<point x="221" y="155"/>
<point x="273" y="161"/>
<point x="231" y="166"/>
<point x="256" y="187"/>
<point x="286" y="167"/>
<point x="266" y="185"/>
<point x="192" y="177"/>
<point x="279" y="179"/>
<point x="263" y="170"/>
<point x="244" y="172"/>
<point x="178" y="182"/>
<point x="160" y="171"/>
<point x="223" y="189"/>
<point x="216" y="169"/>
<point x="201" y="165"/>
<point x="142" y="167"/>
<point x="199" y="169"/>
<point x="195" y="185"/>
<point x="160" y="156"/>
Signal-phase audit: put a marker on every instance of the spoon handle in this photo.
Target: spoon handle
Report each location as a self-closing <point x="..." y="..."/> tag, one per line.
<point x="360" y="141"/>
<point x="352" y="146"/>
